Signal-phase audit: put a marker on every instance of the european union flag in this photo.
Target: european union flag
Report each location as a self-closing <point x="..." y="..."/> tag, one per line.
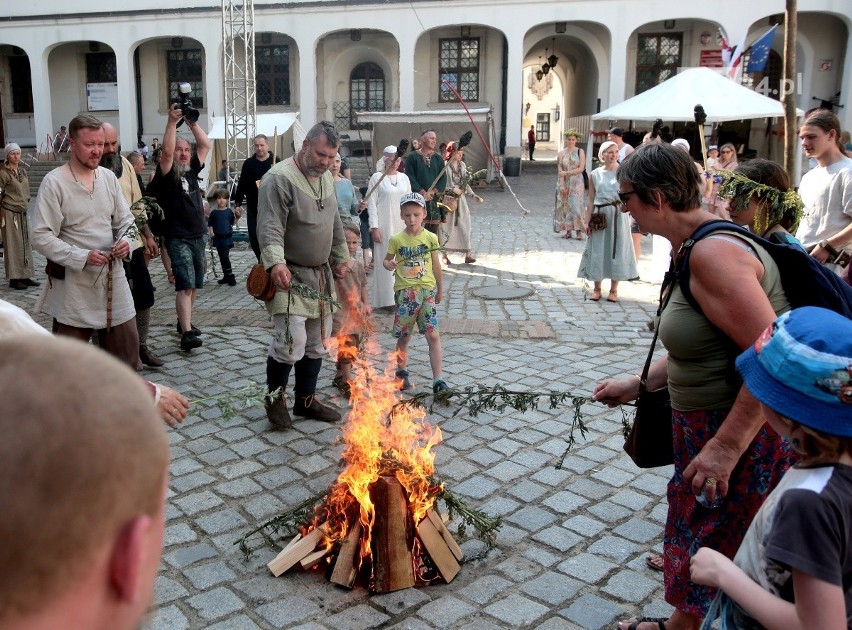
<point x="760" y="52"/>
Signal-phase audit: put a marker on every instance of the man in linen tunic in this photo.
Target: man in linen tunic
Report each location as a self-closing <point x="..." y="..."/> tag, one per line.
<point x="422" y="167"/>
<point x="78" y="228"/>
<point x="299" y="230"/>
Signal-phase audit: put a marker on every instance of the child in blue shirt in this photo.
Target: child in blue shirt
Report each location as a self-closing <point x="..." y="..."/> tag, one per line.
<point x="221" y="223"/>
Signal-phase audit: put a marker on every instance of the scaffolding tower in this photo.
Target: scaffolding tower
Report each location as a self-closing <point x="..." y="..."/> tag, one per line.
<point x="240" y="94"/>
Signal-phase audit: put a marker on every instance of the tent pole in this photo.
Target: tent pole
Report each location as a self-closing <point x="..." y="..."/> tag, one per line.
<point x="790" y="27"/>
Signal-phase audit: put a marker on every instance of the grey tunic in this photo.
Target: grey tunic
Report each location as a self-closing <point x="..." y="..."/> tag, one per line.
<point x="609" y="252"/>
<point x="297" y="229"/>
<point x="15" y="195"/>
<point x="67" y="223"/>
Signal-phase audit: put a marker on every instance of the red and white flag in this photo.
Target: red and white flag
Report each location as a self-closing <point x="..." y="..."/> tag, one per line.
<point x="736" y="57"/>
<point x="726" y="48"/>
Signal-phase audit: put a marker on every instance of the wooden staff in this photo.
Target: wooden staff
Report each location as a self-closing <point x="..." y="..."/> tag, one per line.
<point x="275" y="142"/>
<point x="467" y="136"/>
<point x="401" y="148"/>
<point x="700" y="118"/>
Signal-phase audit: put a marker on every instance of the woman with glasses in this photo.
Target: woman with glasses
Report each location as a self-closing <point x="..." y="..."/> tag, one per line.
<point x="726" y="460"/>
<point x="727" y="161"/>
<point x="609" y="249"/>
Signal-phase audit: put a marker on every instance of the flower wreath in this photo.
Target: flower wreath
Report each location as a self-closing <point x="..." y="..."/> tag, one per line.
<point x="779" y="204"/>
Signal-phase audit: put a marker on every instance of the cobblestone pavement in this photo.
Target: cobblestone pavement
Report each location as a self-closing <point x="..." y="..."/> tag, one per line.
<point x="571" y="551"/>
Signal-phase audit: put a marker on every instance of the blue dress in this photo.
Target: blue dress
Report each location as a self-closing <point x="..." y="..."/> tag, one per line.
<point x="609" y="252"/>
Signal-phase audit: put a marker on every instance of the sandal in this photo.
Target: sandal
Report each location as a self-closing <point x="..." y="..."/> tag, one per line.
<point x="612" y="297"/>
<point x="469" y="260"/>
<point x="596" y="295"/>
<point x="340" y="383"/>
<point x="660" y="621"/>
<point x="654" y="561"/>
<point x="447" y="262"/>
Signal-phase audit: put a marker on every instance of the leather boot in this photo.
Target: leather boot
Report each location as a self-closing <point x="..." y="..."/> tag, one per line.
<point x="149" y="358"/>
<point x="277" y="375"/>
<point x="310" y="407"/>
<point x="277" y="412"/>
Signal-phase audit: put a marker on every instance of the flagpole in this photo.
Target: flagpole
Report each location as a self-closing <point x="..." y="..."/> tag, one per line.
<point x="790" y="136"/>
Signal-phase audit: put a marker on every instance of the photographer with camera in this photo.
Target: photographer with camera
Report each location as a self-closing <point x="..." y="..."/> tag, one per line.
<point x="176" y="187"/>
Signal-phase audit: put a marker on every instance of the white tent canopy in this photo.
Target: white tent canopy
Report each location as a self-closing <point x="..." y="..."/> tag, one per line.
<point x="264" y="123"/>
<point x="674" y="100"/>
<point x="449" y="124"/>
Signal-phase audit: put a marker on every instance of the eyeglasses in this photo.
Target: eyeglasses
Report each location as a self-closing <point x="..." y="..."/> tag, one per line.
<point x="625" y="196"/>
<point x="726" y="151"/>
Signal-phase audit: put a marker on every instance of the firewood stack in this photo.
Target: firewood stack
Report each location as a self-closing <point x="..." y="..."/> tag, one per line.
<point x="401" y="553"/>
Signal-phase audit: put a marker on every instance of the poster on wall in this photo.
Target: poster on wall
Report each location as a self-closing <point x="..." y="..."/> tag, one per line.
<point x="102" y="96"/>
<point x="710" y="59"/>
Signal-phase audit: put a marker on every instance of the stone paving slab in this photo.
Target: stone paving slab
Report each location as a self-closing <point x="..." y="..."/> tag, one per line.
<point x="570" y="554"/>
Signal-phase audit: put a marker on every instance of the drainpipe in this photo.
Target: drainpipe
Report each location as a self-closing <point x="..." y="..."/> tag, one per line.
<point x="137" y="76"/>
<point x="505" y="78"/>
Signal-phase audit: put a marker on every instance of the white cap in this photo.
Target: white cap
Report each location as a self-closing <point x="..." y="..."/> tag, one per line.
<point x="680" y="142"/>
<point x="390" y="150"/>
<point x="412" y="197"/>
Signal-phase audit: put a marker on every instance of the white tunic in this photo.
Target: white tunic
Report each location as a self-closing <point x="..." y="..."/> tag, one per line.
<point x="67" y="223"/>
<point x="383" y="206"/>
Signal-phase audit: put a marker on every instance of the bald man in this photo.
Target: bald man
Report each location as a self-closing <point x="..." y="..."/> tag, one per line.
<point x="83" y="480"/>
<point x="143" y="248"/>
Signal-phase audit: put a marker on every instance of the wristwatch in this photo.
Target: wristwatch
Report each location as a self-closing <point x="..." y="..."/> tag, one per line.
<point x="827" y="247"/>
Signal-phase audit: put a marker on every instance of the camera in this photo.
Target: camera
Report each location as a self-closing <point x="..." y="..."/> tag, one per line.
<point x="184" y="103"/>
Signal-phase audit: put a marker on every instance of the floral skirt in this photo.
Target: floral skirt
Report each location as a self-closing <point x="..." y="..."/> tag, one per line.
<point x="690" y="525"/>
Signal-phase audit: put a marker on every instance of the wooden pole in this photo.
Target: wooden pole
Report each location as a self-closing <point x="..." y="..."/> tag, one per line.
<point x="789" y="89"/>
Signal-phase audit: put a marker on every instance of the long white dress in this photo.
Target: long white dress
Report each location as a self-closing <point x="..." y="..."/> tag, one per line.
<point x="383" y="206"/>
<point x="455" y="233"/>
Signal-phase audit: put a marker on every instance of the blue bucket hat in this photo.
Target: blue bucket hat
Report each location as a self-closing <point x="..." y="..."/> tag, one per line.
<point x="801" y="367"/>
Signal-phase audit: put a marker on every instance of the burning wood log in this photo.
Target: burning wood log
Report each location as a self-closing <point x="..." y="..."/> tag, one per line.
<point x="438" y="522"/>
<point x="345" y="571"/>
<point x="392" y="537"/>
<point x="439" y="552"/>
<point x="308" y="561"/>
<point x="299" y="548"/>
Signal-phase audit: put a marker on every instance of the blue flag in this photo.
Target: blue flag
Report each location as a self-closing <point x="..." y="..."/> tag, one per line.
<point x="760" y="52"/>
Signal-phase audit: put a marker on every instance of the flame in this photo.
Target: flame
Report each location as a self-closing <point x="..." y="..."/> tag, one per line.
<point x="379" y="439"/>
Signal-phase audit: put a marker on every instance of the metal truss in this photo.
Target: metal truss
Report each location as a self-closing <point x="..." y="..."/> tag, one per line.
<point x="240" y="93"/>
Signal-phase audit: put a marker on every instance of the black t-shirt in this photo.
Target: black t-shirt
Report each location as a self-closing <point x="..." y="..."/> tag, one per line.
<point x="181" y="201"/>
<point x="253" y="170"/>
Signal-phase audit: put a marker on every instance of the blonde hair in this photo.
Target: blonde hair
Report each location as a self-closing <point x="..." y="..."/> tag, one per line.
<point x="604" y="147"/>
<point x="82" y="454"/>
<point x="817" y="448"/>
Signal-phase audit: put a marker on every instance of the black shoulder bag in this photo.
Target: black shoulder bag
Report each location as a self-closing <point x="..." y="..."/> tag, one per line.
<point x="649" y="441"/>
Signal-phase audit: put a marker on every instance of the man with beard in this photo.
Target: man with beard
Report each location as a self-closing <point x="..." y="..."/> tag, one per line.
<point x="422" y="167"/>
<point x="141" y="286"/>
<point x="301" y="238"/>
<point x="175" y="185"/>
<point x="254" y="168"/>
<point x="81" y="224"/>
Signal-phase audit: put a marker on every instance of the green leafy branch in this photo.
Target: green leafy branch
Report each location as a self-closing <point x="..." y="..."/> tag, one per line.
<point x="484" y="526"/>
<point x="497" y="398"/>
<point x="252" y="395"/>
<point x="284" y="525"/>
